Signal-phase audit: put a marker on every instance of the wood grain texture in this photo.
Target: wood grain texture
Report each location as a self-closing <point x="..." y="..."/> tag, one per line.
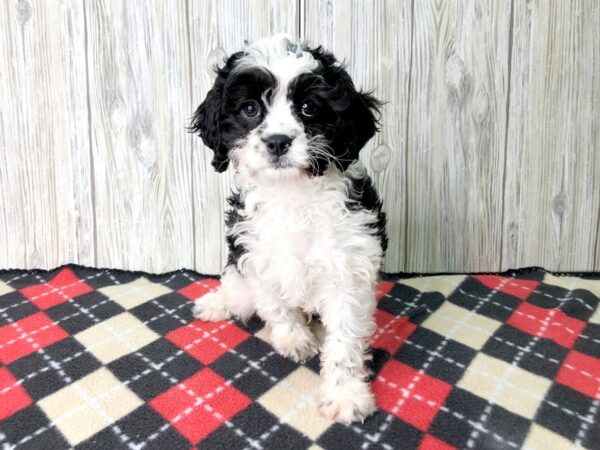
<point x="374" y="39"/>
<point x="138" y="62"/>
<point x="552" y="200"/>
<point x="217" y="29"/>
<point x="456" y="134"/>
<point x="46" y="215"/>
<point x="488" y="158"/>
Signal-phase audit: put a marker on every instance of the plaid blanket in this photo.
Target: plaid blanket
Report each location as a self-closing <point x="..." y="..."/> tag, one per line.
<point x="109" y="359"/>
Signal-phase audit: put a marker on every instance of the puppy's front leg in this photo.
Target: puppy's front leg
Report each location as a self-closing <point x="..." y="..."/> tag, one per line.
<point x="349" y="323"/>
<point x="290" y="335"/>
<point x="233" y="298"/>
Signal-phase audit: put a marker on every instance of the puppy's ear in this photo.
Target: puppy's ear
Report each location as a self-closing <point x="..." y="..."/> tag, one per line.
<point x="357" y="112"/>
<point x="208" y="116"/>
<point x="362" y="119"/>
<point x="359" y="121"/>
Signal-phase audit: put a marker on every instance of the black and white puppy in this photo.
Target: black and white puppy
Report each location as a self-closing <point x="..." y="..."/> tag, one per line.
<point x="306" y="230"/>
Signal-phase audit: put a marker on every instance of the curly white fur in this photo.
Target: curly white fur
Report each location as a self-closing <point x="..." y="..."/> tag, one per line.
<point x="306" y="253"/>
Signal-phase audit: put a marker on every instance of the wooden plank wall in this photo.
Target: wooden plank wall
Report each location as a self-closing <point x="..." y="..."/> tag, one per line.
<point x="489" y="156"/>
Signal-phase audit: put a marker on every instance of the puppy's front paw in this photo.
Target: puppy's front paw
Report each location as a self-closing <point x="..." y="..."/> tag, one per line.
<point x="350" y="402"/>
<point x="211" y="308"/>
<point x="294" y="341"/>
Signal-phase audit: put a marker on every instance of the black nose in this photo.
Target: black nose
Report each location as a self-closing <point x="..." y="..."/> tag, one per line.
<point x="278" y="144"/>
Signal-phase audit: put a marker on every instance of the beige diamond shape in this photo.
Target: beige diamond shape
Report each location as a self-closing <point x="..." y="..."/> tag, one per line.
<point x="293" y="401"/>
<point x="462" y="325"/>
<point x="540" y="438"/>
<point x="85" y="407"/>
<point x="5" y="288"/>
<point x="444" y="284"/>
<point x="135" y="293"/>
<point x="511" y="387"/>
<point x="115" y="337"/>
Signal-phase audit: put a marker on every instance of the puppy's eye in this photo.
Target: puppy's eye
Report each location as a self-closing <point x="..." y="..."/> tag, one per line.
<point x="309" y="108"/>
<point x="251" y="108"/>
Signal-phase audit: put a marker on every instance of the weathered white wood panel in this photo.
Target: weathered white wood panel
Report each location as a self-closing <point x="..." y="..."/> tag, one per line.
<point x="552" y="201"/>
<point x="456" y="135"/>
<point x="139" y="94"/>
<point x="374" y="39"/>
<point x="489" y="155"/>
<point x="217" y="29"/>
<point x="46" y="215"/>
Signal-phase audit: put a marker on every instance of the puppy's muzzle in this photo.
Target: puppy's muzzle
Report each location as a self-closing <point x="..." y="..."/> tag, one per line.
<point x="278" y="144"/>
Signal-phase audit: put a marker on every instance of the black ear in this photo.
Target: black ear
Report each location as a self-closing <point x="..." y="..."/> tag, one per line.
<point x="357" y="112"/>
<point x="361" y="120"/>
<point x="208" y="116"/>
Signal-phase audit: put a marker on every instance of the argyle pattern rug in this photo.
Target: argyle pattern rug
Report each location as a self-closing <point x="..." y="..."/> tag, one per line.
<point x="109" y="359"/>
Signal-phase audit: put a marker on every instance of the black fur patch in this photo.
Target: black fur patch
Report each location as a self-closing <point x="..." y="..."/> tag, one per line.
<point x="218" y="120"/>
<point x="232" y="217"/>
<point x="346" y="118"/>
<point x="363" y="195"/>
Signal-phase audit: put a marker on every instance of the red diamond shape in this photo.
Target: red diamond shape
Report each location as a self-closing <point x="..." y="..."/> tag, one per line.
<point x="28" y="335"/>
<point x="413" y="397"/>
<point x="207" y="341"/>
<point x="582" y="373"/>
<point x="383" y="288"/>
<point x="512" y="286"/>
<point x="392" y="331"/>
<point x="198" y="288"/>
<point x="12" y="397"/>
<point x="63" y="287"/>
<point x="200" y="404"/>
<point x="431" y="443"/>
<point x="546" y="323"/>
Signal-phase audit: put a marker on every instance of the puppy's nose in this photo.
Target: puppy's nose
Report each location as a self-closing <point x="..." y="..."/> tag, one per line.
<point x="278" y="144"/>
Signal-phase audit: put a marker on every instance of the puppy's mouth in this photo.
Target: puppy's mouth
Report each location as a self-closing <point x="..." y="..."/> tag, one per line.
<point x="280" y="162"/>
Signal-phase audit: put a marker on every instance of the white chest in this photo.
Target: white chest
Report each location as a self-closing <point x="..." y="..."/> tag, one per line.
<point x="299" y="233"/>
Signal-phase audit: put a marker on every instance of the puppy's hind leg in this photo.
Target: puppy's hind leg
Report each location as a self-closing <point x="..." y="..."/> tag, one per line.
<point x="233" y="298"/>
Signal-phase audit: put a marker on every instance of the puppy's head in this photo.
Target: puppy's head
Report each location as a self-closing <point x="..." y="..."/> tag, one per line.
<point x="282" y="109"/>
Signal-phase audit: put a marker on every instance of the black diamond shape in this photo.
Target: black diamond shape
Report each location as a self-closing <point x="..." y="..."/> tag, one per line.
<point x="314" y="364"/>
<point x="31" y="278"/>
<point x="534" y="273"/>
<point x="403" y="300"/>
<point x="13" y="307"/>
<point x="254" y="367"/>
<point x="180" y="279"/>
<point x="378" y="359"/>
<point x="45" y="372"/>
<point x="543" y="357"/>
<point x="589" y="341"/>
<point x="395" y="434"/>
<point x="449" y="365"/>
<point x="165" y="313"/>
<point x="135" y="428"/>
<point x="547" y="296"/>
<point x="257" y="424"/>
<point x="84" y="311"/>
<point x="564" y="411"/>
<point x="471" y="295"/>
<point x="577" y="303"/>
<point x="20" y="429"/>
<point x="462" y="414"/>
<point x="160" y="366"/>
<point x="9" y="276"/>
<point x="504" y="429"/>
<point x="253" y="325"/>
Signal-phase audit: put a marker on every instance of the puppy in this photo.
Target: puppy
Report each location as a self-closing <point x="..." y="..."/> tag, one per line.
<point x="306" y="230"/>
